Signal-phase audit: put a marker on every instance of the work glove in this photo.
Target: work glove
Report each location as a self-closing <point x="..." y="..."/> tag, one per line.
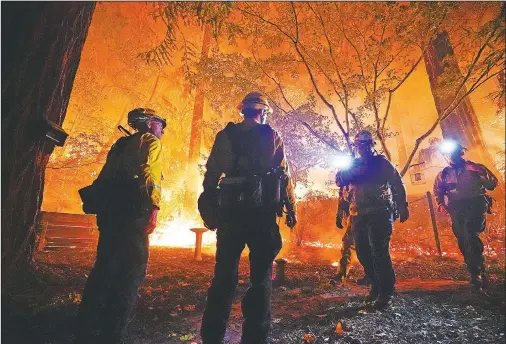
<point x="153" y="218"/>
<point x="339" y="222"/>
<point x="443" y="208"/>
<point x="291" y="219"/>
<point x="403" y="214"/>
<point x="148" y="221"/>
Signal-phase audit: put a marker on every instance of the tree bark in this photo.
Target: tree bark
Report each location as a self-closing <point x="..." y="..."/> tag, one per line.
<point x="43" y="43"/>
<point x="192" y="179"/>
<point x="462" y="124"/>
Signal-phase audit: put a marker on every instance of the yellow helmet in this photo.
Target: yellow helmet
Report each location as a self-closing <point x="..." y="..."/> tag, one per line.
<point x="255" y="100"/>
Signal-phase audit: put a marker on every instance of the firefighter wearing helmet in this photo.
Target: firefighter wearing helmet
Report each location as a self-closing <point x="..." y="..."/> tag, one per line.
<point x="131" y="181"/>
<point x="255" y="190"/>
<point x="461" y="191"/>
<point x="377" y="195"/>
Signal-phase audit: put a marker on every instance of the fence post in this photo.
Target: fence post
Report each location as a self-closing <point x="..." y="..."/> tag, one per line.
<point x="434" y="223"/>
<point x="42" y="239"/>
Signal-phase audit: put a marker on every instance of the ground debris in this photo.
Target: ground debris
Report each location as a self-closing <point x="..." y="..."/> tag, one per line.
<point x="427" y="308"/>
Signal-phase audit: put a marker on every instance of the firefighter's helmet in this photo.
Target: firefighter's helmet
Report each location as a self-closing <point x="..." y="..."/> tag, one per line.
<point x="364" y="136"/>
<point x="255" y="100"/>
<point x="142" y="115"/>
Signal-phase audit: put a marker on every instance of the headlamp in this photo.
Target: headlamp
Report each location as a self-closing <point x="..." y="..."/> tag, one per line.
<point x="448" y="146"/>
<point x="342" y="161"/>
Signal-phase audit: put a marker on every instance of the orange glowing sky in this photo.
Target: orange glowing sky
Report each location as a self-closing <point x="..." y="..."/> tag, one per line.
<point x="111" y="80"/>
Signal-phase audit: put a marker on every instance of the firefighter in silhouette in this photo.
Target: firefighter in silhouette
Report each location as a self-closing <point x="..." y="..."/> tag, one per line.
<point x="251" y="156"/>
<point x="133" y="172"/>
<point x="464" y="183"/>
<point x="377" y="193"/>
<point x="343" y="221"/>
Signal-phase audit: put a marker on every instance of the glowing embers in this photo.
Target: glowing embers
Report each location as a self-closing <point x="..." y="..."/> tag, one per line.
<point x="176" y="233"/>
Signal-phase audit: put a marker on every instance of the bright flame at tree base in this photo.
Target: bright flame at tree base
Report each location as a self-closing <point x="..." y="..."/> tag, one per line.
<point x="176" y="233"/>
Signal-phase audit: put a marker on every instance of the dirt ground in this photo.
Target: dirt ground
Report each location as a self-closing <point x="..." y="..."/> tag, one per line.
<point x="433" y="304"/>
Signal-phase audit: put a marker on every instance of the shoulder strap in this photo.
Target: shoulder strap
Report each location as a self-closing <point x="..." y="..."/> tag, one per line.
<point x="444" y="173"/>
<point x="118" y="149"/>
<point x="232" y="133"/>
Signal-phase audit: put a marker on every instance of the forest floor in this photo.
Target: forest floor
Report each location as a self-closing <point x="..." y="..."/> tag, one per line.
<point x="433" y="303"/>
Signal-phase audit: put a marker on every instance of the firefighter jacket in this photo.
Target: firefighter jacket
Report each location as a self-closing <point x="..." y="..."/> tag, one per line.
<point x="267" y="148"/>
<point x="137" y="157"/>
<point x="373" y="183"/>
<point x="465" y="181"/>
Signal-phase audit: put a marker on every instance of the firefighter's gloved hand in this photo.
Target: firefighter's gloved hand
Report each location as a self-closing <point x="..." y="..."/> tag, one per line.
<point x="147" y="222"/>
<point x="291" y="219"/>
<point x="403" y="214"/>
<point x="152" y="221"/>
<point x="339" y="222"/>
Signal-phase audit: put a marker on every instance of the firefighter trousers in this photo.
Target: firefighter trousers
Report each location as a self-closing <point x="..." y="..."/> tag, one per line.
<point x="260" y="233"/>
<point x="110" y="292"/>
<point x="372" y="232"/>
<point x="468" y="221"/>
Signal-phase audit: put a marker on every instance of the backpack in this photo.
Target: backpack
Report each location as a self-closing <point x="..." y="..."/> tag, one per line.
<point x="248" y="185"/>
<point x="113" y="196"/>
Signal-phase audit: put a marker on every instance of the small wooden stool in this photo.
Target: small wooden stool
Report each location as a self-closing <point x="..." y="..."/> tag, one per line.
<point x="280" y="270"/>
<point x="198" y="242"/>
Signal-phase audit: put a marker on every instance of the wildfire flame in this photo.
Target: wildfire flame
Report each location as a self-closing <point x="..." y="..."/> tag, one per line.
<point x="176" y="233"/>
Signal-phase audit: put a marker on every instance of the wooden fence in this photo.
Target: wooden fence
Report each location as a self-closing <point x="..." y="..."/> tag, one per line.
<point x="67" y="231"/>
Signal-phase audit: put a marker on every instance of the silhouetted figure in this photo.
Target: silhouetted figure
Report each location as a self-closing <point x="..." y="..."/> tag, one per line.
<point x="251" y="155"/>
<point x="377" y="193"/>
<point x="134" y="170"/>
<point x="460" y="191"/>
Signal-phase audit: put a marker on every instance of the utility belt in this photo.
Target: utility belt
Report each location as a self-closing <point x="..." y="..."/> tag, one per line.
<point x="251" y="192"/>
<point x="112" y="196"/>
<point x="486" y="200"/>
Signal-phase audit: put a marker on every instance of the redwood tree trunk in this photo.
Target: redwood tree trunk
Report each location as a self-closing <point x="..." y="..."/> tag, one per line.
<point x="43" y="43"/>
<point x="196" y="133"/>
<point x="462" y="124"/>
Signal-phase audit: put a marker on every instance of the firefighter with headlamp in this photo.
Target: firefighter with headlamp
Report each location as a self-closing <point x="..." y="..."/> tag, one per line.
<point x="251" y="155"/>
<point x="376" y="193"/>
<point x="460" y="190"/>
<point x="343" y="221"/>
<point x="131" y="181"/>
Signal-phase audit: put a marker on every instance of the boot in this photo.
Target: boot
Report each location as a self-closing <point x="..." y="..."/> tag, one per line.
<point x="484" y="279"/>
<point x="363" y="281"/>
<point x="476" y="281"/>
<point x="383" y="301"/>
<point x="374" y="292"/>
<point x="338" y="279"/>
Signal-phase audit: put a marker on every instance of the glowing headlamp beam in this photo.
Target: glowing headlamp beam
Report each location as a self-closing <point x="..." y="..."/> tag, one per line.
<point x="342" y="161"/>
<point x="448" y="146"/>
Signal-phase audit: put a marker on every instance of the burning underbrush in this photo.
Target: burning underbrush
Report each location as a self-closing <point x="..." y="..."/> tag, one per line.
<point x="316" y="229"/>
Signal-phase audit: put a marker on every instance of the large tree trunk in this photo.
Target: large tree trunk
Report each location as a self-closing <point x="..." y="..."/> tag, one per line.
<point x="43" y="43"/>
<point x="192" y="178"/>
<point x="462" y="124"/>
<point x="399" y="139"/>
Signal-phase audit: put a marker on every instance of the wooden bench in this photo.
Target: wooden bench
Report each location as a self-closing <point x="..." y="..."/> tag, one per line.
<point x="67" y="231"/>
